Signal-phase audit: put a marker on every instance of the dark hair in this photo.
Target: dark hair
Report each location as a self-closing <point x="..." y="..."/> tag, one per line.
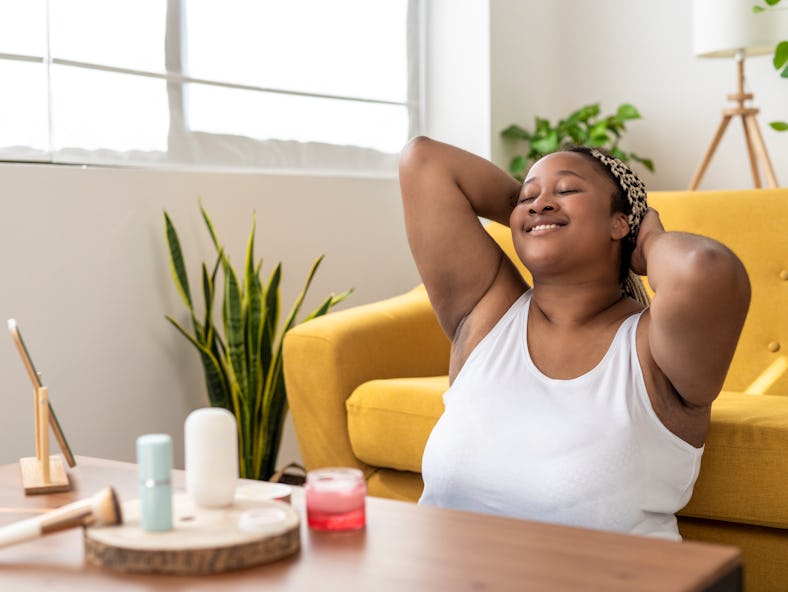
<point x="619" y="203"/>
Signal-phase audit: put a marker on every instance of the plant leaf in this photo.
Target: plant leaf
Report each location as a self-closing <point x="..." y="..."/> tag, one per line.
<point x="646" y="162"/>
<point x="215" y="378"/>
<point x="547" y="144"/>
<point x="211" y="229"/>
<point x="272" y="300"/>
<point x="587" y="112"/>
<point x="517" y="165"/>
<point x="177" y="264"/>
<point x="779" y="126"/>
<point x="277" y="350"/>
<point x="254" y="321"/>
<point x="515" y="132"/>
<point x="780" y="58"/>
<point x="627" y="111"/>
<point x="233" y="329"/>
<point x="598" y="134"/>
<point x="327" y="305"/>
<point x="756" y="9"/>
<point x="772" y="2"/>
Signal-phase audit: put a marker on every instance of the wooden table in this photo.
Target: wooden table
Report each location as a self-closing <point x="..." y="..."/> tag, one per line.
<point x="404" y="547"/>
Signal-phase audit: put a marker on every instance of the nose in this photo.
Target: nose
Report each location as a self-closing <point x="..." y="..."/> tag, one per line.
<point x="543" y="203"/>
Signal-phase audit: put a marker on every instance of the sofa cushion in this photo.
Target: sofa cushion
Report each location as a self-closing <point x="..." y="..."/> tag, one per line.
<point x="389" y="421"/>
<point x="744" y="471"/>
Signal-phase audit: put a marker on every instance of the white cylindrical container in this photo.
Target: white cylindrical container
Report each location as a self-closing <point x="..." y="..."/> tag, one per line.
<point x="211" y="454"/>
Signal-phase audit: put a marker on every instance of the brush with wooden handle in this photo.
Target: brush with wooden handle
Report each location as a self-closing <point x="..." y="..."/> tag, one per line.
<point x="99" y="509"/>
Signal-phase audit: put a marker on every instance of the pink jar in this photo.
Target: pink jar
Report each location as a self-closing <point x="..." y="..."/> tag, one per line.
<point x="335" y="499"/>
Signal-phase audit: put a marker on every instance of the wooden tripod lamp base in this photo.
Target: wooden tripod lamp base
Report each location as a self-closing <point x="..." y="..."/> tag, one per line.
<point x="756" y="149"/>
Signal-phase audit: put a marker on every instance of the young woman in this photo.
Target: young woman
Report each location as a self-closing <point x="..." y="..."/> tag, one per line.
<point x="570" y="401"/>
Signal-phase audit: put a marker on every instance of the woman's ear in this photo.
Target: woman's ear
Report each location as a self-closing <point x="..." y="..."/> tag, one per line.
<point x="619" y="226"/>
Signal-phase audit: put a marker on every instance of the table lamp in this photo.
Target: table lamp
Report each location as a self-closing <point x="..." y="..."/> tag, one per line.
<point x="730" y="29"/>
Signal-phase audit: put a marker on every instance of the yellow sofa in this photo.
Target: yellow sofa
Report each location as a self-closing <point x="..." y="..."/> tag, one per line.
<point x="365" y="386"/>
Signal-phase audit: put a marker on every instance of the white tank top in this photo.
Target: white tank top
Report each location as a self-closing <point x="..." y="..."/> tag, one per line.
<point x="586" y="452"/>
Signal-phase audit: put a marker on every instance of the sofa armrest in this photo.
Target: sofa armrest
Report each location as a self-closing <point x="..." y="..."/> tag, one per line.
<point x="325" y="359"/>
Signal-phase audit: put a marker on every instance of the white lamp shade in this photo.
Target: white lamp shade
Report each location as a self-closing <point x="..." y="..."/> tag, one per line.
<point x="723" y="27"/>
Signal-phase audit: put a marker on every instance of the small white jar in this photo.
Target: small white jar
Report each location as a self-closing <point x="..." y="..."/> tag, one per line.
<point x="211" y="455"/>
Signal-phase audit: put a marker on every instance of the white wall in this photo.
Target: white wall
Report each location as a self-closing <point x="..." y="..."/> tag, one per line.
<point x="549" y="58"/>
<point x="85" y="273"/>
<point x="457" y="74"/>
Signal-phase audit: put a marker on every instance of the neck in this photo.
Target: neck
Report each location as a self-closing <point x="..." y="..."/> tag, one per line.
<point x="574" y="305"/>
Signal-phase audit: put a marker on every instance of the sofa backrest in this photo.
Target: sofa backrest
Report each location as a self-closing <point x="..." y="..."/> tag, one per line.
<point x="753" y="223"/>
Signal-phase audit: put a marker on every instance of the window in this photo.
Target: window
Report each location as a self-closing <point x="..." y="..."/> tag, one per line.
<point x="319" y="84"/>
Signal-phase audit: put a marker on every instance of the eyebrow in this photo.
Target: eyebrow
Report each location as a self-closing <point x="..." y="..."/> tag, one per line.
<point x="561" y="173"/>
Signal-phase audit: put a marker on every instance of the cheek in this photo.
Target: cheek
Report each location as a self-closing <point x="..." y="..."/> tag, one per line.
<point x="517" y="218"/>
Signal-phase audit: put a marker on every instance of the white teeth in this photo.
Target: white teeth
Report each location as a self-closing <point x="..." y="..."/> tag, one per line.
<point x="544" y="227"/>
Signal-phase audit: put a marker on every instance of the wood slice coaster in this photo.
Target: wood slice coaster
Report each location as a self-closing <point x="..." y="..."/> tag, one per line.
<point x="203" y="541"/>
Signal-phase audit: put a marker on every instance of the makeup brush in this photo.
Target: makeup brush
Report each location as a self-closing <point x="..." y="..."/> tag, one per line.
<point x="99" y="509"/>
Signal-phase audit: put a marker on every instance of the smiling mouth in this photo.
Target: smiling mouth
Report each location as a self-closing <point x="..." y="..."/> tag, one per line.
<point x="544" y="227"/>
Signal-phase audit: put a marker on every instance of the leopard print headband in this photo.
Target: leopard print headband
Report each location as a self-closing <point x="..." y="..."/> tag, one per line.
<point x="635" y="190"/>
<point x="631" y="185"/>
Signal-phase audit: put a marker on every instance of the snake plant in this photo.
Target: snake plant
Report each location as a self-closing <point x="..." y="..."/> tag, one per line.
<point x="242" y="354"/>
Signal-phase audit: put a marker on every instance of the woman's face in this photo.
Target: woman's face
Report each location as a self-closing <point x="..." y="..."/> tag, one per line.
<point x="563" y="218"/>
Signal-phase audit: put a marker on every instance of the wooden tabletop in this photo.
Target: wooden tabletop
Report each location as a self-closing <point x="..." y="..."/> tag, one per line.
<point x="404" y="547"/>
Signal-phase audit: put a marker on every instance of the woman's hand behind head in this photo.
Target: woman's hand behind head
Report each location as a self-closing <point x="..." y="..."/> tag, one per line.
<point x="650" y="227"/>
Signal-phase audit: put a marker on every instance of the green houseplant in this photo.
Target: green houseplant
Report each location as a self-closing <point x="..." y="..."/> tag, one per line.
<point x="584" y="126"/>
<point x="780" y="58"/>
<point x="242" y="355"/>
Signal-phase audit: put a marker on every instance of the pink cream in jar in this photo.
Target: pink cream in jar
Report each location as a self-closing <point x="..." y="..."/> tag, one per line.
<point x="335" y="499"/>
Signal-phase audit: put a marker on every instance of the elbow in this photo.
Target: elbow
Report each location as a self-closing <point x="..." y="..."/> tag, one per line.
<point x="416" y="151"/>
<point x="716" y="271"/>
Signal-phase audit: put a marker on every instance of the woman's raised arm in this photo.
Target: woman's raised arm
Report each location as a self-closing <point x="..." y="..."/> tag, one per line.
<point x="444" y="191"/>
<point x="701" y="297"/>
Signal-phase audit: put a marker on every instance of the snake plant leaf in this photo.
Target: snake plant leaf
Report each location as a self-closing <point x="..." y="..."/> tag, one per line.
<point x="328" y="304"/>
<point x="300" y="299"/>
<point x="253" y="330"/>
<point x="211" y="229"/>
<point x="271" y="320"/>
<point x="233" y="329"/>
<point x="177" y="264"/>
<point x="253" y="299"/>
<point x="268" y="393"/>
<point x="207" y="294"/>
<point x="214" y="375"/>
<point x="275" y="425"/>
<point x="272" y="301"/>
